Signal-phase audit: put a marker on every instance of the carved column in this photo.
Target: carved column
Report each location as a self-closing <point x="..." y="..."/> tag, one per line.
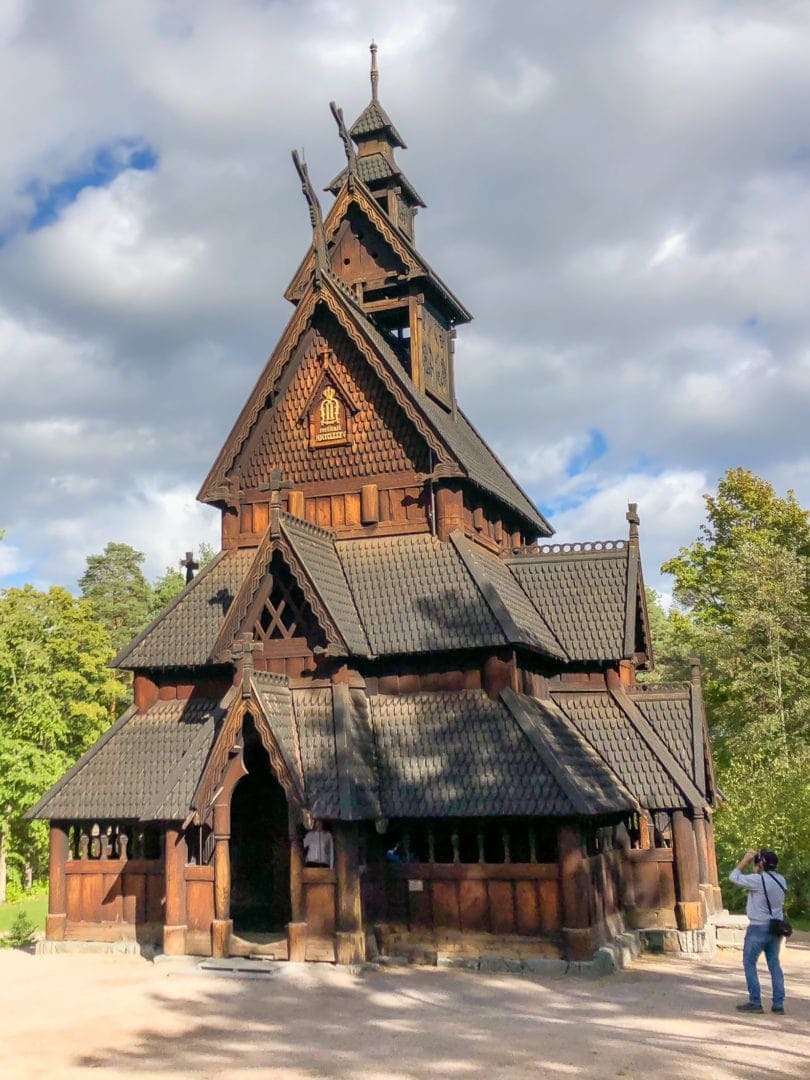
<point x="449" y="510"/>
<point x="297" y="926"/>
<point x="688" y="909"/>
<point x="174" y="931"/>
<point x="706" y="890"/>
<point x="711" y="853"/>
<point x="350" y="943"/>
<point x="56" y="919"/>
<point x="222" y="926"/>
<point x="575" y="894"/>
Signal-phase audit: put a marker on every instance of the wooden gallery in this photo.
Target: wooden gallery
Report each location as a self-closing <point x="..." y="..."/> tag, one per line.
<point x="387" y="708"/>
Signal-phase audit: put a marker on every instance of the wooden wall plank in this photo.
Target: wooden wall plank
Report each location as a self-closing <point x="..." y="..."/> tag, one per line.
<point x="445" y="904"/>
<point x="473" y="907"/>
<point x="527" y="913"/>
<point x="501" y="907"/>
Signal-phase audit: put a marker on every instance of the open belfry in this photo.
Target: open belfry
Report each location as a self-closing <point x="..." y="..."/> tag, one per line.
<point x="388" y="716"/>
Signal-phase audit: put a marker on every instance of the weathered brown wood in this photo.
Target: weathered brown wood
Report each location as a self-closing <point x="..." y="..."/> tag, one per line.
<point x="699" y="827"/>
<point x="144" y="692"/>
<point x="349" y="919"/>
<point x="449" y="509"/>
<point x="59" y="849"/>
<point x="575" y="891"/>
<point x="445" y="903"/>
<point x="473" y="905"/>
<point x="688" y="908"/>
<point x="297" y="942"/>
<point x="369" y="504"/>
<point x="527" y="914"/>
<point x="174" y="932"/>
<point x="295" y="503"/>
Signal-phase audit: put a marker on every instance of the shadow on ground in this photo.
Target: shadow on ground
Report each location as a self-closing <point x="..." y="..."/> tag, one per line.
<point x="661" y="1019"/>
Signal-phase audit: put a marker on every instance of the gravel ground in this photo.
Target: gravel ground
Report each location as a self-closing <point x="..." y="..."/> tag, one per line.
<point x="61" y="1016"/>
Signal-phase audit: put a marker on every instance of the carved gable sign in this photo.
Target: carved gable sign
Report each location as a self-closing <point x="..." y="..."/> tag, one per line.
<point x="330" y="409"/>
<point x="434" y="345"/>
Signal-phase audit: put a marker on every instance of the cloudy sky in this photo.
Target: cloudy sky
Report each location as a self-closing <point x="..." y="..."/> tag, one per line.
<point x="618" y="192"/>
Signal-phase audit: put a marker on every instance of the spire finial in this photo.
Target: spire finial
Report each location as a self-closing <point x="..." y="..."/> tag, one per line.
<point x="375" y="75"/>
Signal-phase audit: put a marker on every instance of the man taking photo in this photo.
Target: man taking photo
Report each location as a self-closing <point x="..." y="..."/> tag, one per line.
<point x="766" y="899"/>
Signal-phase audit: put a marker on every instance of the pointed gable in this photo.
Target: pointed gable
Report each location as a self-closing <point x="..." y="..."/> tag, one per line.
<point x="379" y="438"/>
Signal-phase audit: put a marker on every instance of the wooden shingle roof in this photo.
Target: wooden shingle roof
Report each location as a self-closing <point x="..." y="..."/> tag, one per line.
<point x="582" y="591"/>
<point x="185" y="631"/>
<point x="145" y="767"/>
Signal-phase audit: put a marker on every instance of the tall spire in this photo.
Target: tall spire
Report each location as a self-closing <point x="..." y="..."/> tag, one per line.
<point x="375" y="75"/>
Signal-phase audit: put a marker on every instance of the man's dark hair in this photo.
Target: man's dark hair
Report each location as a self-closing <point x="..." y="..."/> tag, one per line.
<point x="766" y="859"/>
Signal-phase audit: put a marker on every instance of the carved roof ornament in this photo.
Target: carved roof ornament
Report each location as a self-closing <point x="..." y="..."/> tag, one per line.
<point x="375" y="75"/>
<point x="315" y="215"/>
<point x="348" y="145"/>
<point x="633" y="520"/>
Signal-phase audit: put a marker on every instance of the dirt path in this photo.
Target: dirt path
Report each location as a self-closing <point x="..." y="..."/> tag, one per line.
<point x="61" y="1016"/>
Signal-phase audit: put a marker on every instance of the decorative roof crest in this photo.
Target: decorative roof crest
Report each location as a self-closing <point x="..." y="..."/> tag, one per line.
<point x="315" y="215"/>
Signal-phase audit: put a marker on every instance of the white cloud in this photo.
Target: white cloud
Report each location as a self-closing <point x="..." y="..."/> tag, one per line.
<point x="619" y="193"/>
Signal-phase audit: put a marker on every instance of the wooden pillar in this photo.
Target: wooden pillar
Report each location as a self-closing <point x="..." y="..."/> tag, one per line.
<point x="688" y="909"/>
<point x="174" y="930"/>
<point x="711" y="853"/>
<point x="56" y="919"/>
<point x="350" y="943"/>
<point x="297" y="926"/>
<point x="575" y="894"/>
<point x="222" y="926"/>
<point x="449" y="510"/>
<point x="706" y="888"/>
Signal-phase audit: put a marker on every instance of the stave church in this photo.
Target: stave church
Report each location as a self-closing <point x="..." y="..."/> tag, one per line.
<point x="390" y="716"/>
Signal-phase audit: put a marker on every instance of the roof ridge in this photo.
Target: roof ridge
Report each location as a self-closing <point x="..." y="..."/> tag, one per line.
<point x="309" y="526"/>
<point x="576" y="548"/>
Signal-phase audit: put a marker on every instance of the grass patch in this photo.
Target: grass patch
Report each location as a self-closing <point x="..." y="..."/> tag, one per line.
<point x="35" y="907"/>
<point x="799" y="922"/>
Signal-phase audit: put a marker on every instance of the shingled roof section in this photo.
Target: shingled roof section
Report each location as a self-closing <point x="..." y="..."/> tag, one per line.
<point x="184" y="633"/>
<point x="315" y="547"/>
<point x="581" y="591"/>
<point x="606" y="727"/>
<point x="518" y="618"/>
<point x="314" y="720"/>
<point x="589" y="782"/>
<point x="667" y="708"/>
<point x="458" y="755"/>
<point x="141" y="769"/>
<point x="414" y="595"/>
<point x="374" y="120"/>
<point x="275" y="699"/>
<point x="354" y="742"/>
<point x="371" y="167"/>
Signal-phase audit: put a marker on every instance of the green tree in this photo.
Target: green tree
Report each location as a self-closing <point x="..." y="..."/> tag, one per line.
<point x="743" y="604"/>
<point x="118" y="591"/>
<point x="57" y="695"/>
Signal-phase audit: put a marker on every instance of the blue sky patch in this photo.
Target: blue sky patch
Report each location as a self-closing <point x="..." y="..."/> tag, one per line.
<point x="99" y="169"/>
<point x="566" y="503"/>
<point x="583" y="459"/>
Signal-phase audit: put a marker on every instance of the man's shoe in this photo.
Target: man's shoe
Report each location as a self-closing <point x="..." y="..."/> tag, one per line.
<point x="777" y="1008"/>
<point x="751" y="1007"/>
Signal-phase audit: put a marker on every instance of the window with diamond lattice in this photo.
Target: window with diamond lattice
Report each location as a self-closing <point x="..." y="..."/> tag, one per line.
<point x="285" y="613"/>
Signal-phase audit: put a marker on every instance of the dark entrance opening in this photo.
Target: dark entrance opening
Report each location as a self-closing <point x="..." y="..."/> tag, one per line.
<point x="260" y="849"/>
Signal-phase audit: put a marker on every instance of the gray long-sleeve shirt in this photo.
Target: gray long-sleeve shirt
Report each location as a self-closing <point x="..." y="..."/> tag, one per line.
<point x="757" y="907"/>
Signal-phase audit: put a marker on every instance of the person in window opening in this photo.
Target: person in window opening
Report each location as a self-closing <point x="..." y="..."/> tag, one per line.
<point x="763" y="886"/>
<point x="395" y="853"/>
<point x="318" y="847"/>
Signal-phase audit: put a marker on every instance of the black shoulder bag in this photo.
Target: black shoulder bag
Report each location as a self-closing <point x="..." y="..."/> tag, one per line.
<point x="779" y="927"/>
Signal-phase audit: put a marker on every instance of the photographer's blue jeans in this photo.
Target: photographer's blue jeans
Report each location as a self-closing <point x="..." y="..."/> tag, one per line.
<point x="758" y="940"/>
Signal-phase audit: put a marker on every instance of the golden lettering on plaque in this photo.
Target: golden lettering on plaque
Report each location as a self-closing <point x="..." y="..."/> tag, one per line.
<point x="331" y="415"/>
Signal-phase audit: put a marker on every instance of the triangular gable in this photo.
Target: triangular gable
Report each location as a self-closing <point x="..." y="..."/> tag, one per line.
<point x="228" y="744"/>
<point x="255" y="597"/>
<point x="415" y="265"/>
<point x="279" y="372"/>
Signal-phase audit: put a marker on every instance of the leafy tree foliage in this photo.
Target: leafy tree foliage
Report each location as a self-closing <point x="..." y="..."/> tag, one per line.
<point x="744" y="606"/>
<point x="57" y="695"/>
<point x="118" y="591"/>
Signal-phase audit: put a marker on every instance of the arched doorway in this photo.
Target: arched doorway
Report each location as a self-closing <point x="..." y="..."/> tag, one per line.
<point x="259" y="845"/>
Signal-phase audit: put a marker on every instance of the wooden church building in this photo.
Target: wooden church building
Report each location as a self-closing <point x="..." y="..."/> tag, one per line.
<point x="388" y="704"/>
